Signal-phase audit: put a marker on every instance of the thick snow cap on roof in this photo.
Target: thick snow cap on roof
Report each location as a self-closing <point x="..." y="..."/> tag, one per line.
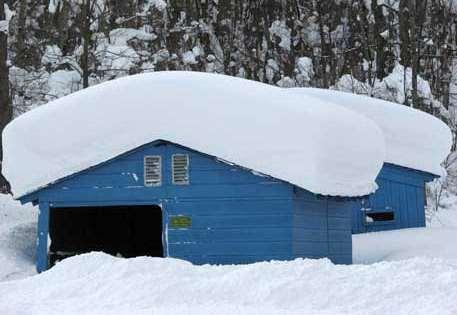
<point x="414" y="139"/>
<point x="322" y="148"/>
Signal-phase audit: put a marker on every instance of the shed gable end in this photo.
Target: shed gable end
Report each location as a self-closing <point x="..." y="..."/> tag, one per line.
<point x="124" y="177"/>
<point x="226" y="214"/>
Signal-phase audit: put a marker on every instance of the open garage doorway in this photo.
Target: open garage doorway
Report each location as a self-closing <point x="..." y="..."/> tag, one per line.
<point x="127" y="231"/>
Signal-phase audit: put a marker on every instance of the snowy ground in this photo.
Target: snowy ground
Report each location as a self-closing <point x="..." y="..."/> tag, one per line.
<point x="401" y="272"/>
<point x="432" y="242"/>
<point x="17" y="239"/>
<point x="100" y="284"/>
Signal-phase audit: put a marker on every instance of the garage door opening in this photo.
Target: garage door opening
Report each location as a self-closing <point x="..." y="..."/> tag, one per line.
<point x="127" y="231"/>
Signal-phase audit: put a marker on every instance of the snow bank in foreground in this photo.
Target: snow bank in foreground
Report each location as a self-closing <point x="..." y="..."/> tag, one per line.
<point x="413" y="138"/>
<point x="17" y="239"/>
<point x="326" y="149"/>
<point x="100" y="284"/>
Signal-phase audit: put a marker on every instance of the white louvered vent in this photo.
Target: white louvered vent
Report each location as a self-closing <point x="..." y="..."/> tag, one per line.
<point x="180" y="168"/>
<point x="152" y="170"/>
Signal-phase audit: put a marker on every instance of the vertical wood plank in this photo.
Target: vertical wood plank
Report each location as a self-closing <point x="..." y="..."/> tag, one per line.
<point x="42" y="237"/>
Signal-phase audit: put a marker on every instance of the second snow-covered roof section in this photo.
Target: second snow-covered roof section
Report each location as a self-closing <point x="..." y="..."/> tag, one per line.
<point x="414" y="139"/>
<point x="319" y="147"/>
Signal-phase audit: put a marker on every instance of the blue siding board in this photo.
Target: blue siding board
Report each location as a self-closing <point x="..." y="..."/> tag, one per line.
<point x="244" y="221"/>
<point x="237" y="216"/>
<point x="335" y="223"/>
<point x="144" y="193"/>
<point x="339" y="235"/>
<point x="310" y="222"/>
<point x="396" y="205"/>
<point x="403" y="206"/>
<point x="412" y="206"/>
<point x="259" y="248"/>
<point x="309" y="235"/>
<point x="420" y="195"/>
<point x="315" y="249"/>
<point x="232" y="234"/>
<point x="42" y="237"/>
<point x="340" y="248"/>
<point x="308" y="207"/>
<point x="357" y="219"/>
<point x="237" y="207"/>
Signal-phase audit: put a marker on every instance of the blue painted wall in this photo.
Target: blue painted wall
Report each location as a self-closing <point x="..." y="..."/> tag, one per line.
<point x="322" y="227"/>
<point x="402" y="191"/>
<point x="237" y="216"/>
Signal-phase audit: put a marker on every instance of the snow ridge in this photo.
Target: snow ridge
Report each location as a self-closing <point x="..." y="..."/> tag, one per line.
<point x="97" y="283"/>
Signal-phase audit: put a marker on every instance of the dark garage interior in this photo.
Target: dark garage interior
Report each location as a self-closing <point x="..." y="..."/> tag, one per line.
<point x="128" y="231"/>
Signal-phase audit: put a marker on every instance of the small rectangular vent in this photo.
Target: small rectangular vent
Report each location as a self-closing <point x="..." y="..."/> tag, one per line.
<point x="180" y="168"/>
<point x="152" y="170"/>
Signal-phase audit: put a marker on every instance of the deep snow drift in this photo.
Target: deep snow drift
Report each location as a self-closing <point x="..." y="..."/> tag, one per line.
<point x="404" y="244"/>
<point x="100" y="284"/>
<point x="322" y="148"/>
<point x="414" y="139"/>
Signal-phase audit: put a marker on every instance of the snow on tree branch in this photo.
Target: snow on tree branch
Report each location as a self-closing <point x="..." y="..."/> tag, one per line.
<point x="4" y="24"/>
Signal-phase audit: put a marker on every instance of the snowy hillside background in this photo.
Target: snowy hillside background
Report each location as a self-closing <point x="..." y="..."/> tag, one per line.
<point x="397" y="50"/>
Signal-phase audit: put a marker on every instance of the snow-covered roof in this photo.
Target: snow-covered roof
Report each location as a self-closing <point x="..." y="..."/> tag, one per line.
<point x="414" y="139"/>
<point x="322" y="148"/>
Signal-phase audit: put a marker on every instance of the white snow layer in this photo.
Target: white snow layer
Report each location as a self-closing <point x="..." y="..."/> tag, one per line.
<point x="158" y="4"/>
<point x="96" y="283"/>
<point x="4" y="24"/>
<point x="325" y="149"/>
<point x="414" y="139"/>
<point x="52" y="7"/>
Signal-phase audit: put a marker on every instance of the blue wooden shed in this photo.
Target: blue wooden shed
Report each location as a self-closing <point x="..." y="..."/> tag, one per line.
<point x="416" y="144"/>
<point x="399" y="202"/>
<point x="202" y="167"/>
<point x="166" y="200"/>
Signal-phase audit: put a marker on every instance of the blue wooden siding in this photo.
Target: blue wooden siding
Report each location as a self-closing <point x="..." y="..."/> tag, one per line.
<point x="322" y="227"/>
<point x="401" y="190"/>
<point x="42" y="237"/>
<point x="237" y="216"/>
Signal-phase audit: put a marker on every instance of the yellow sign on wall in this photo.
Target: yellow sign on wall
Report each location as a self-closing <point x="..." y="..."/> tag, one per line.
<point x="180" y="222"/>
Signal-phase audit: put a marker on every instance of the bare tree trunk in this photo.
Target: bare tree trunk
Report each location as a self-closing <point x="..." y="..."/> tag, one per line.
<point x="86" y="37"/>
<point x="414" y="51"/>
<point x="404" y="20"/>
<point x="379" y="25"/>
<point x="21" y="55"/>
<point x="5" y="101"/>
<point x="325" y="83"/>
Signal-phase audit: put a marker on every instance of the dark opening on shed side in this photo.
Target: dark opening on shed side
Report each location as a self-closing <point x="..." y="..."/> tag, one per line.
<point x="128" y="231"/>
<point x="380" y="216"/>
